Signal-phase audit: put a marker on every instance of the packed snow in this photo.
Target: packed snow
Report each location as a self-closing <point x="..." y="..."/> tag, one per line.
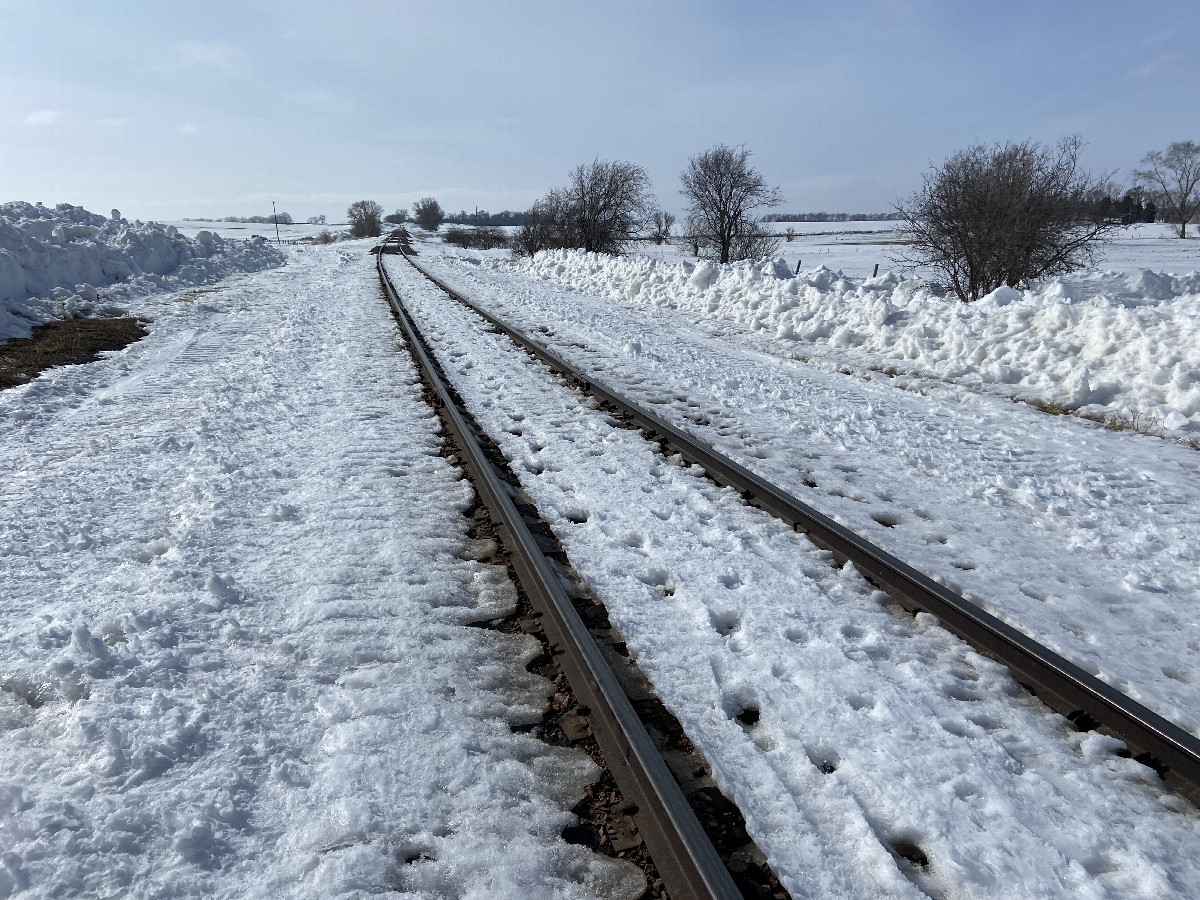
<point x="1084" y="538"/>
<point x="879" y="740"/>
<point x="66" y="261"/>
<point x="235" y="658"/>
<point x="1103" y="344"/>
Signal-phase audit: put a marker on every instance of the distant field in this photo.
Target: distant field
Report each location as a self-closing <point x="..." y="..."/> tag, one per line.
<point x="852" y="247"/>
<point x="243" y="230"/>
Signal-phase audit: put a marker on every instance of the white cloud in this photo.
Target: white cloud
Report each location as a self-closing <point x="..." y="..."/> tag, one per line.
<point x="216" y="57"/>
<point x="43" y="117"/>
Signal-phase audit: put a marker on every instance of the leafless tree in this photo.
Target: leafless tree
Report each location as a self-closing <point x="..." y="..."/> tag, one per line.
<point x="602" y="208"/>
<point x="547" y="226"/>
<point x="789" y="234"/>
<point x="997" y="215"/>
<point x="722" y="191"/>
<point x="660" y="226"/>
<point x="1173" y="179"/>
<point x="609" y="203"/>
<point x="365" y="217"/>
<point x="399" y="217"/>
<point x="428" y="214"/>
<point x="691" y="237"/>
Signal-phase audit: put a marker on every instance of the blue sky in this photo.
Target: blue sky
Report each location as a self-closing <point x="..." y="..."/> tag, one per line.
<point x="168" y="109"/>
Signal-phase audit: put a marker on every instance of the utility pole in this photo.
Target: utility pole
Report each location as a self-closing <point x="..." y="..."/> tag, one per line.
<point x="275" y="216"/>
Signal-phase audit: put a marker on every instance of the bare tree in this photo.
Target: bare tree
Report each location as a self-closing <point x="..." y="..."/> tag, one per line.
<point x="691" y="237"/>
<point x="428" y="214"/>
<point x="991" y="216"/>
<point x="364" y="216"/>
<point x="548" y="225"/>
<point x="399" y="217"/>
<point x="722" y="191"/>
<point x="660" y="226"/>
<point x="602" y="208"/>
<point x="1173" y="178"/>
<point x="608" y="204"/>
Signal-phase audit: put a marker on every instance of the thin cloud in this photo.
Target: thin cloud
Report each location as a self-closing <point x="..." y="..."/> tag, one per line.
<point x="213" y="56"/>
<point x="188" y="128"/>
<point x="43" y="117"/>
<point x="1157" y="65"/>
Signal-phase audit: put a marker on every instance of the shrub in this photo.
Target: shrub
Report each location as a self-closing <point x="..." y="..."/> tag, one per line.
<point x="365" y="218"/>
<point x="602" y="208"/>
<point x="1004" y="215"/>
<point x="428" y="214"/>
<point x="485" y="238"/>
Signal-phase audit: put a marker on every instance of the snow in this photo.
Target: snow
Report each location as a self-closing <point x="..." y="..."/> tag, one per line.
<point x="234" y="648"/>
<point x="241" y="231"/>
<point x="1103" y="344"/>
<point x="875" y="730"/>
<point x="1082" y="537"/>
<point x="61" y="262"/>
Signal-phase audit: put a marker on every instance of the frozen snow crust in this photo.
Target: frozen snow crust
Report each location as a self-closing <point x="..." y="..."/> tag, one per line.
<point x="56" y="262"/>
<point x="1098" y="343"/>
<point x="235" y="658"/>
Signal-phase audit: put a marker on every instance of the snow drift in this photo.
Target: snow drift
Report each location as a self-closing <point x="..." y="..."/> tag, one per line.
<point x="1097" y="343"/>
<point x="59" y="262"/>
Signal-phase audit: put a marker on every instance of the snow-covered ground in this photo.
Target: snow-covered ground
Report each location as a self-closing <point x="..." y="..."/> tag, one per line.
<point x="855" y="248"/>
<point x="1083" y="537"/>
<point x="240" y="231"/>
<point x="874" y="731"/>
<point x="234" y="648"/>
<point x="235" y="658"/>
<point x="1103" y="344"/>
<point x="67" y="261"/>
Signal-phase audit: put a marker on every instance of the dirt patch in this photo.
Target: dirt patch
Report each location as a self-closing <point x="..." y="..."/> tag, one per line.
<point x="65" y="343"/>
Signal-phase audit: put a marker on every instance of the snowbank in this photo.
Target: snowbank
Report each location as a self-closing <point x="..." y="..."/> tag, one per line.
<point x="1098" y="343"/>
<point x="55" y="262"/>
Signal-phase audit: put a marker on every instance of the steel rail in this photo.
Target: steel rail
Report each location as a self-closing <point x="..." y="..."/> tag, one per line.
<point x="1085" y="700"/>
<point x="686" y="860"/>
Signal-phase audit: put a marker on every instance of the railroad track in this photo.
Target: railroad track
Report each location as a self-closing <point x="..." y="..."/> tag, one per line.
<point x="686" y="859"/>
<point x="1087" y="702"/>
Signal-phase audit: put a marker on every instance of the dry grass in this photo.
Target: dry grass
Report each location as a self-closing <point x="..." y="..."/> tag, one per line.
<point x="65" y="343"/>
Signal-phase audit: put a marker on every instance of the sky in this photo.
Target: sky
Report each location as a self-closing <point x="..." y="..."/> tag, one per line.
<point x="168" y="110"/>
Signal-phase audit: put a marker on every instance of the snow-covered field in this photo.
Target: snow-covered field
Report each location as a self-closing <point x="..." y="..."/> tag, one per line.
<point x="240" y="231"/>
<point x="874" y="731"/>
<point x="234" y="653"/>
<point x="65" y="261"/>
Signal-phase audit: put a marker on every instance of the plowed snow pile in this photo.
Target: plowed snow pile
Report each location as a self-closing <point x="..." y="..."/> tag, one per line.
<point x="1098" y="343"/>
<point x="61" y="262"/>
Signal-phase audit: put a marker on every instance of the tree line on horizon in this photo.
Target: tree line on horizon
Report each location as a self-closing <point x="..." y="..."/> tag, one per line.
<point x="990" y="215"/>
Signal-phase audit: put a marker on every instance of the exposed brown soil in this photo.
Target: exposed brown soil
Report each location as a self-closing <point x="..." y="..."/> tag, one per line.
<point x="65" y="343"/>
